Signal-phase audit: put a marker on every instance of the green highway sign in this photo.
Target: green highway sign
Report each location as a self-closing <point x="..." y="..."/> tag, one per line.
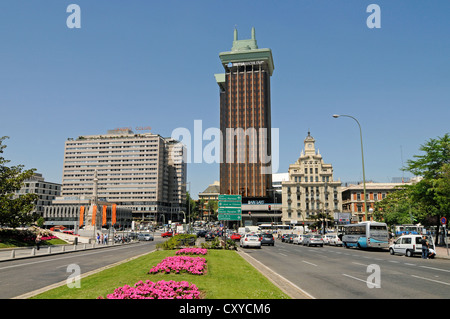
<point x="230" y="204"/>
<point x="230" y="210"/>
<point x="230" y="197"/>
<point x="229" y="217"/>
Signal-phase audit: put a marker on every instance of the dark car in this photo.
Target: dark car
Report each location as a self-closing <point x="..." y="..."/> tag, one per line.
<point x="267" y="239"/>
<point x="201" y="233"/>
<point x="210" y="236"/>
<point x="285" y="237"/>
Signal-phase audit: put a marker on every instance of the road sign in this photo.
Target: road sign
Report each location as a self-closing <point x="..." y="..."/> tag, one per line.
<point x="443" y="220"/>
<point x="229" y="217"/>
<point x="229" y="210"/>
<point x="230" y="197"/>
<point x="230" y="204"/>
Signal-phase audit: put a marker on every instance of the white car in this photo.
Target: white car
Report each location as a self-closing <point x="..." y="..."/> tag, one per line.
<point x="409" y="245"/>
<point x="250" y="240"/>
<point x="327" y="238"/>
<point x="298" y="240"/>
<point x="336" y="241"/>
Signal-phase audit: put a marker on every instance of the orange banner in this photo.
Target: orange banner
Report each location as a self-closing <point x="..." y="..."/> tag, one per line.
<point x="113" y="217"/>
<point x="94" y="214"/>
<point x="104" y="215"/>
<point x="81" y="216"/>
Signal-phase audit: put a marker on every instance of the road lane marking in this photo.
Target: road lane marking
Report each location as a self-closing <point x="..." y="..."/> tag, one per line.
<point x="372" y="284"/>
<point x="359" y="264"/>
<point x="309" y="263"/>
<point x="446" y="270"/>
<point x="440" y="282"/>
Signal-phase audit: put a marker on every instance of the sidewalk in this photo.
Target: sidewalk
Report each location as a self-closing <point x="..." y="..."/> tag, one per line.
<point x="441" y="252"/>
<point x="7" y="254"/>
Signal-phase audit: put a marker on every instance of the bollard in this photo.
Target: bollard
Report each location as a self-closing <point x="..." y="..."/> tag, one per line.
<point x="63" y="248"/>
<point x="84" y="246"/>
<point x="13" y="253"/>
<point x="33" y="251"/>
<point x="49" y="250"/>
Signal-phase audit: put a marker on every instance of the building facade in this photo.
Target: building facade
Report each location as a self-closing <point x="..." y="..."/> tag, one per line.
<point x="143" y="172"/>
<point x="311" y="188"/>
<point x="353" y="198"/>
<point x="245" y="119"/>
<point x="46" y="191"/>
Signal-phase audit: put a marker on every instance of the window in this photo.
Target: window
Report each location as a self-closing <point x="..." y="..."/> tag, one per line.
<point x="406" y="240"/>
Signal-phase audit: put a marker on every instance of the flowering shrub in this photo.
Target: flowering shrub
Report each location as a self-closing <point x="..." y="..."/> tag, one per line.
<point x="160" y="290"/>
<point x="192" y="265"/>
<point x="48" y="237"/>
<point x="192" y="251"/>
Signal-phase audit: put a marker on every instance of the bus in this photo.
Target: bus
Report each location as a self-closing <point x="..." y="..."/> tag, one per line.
<point x="408" y="229"/>
<point x="366" y="235"/>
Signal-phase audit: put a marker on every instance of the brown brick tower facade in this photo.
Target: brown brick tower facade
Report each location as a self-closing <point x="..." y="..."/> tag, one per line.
<point x="245" y="120"/>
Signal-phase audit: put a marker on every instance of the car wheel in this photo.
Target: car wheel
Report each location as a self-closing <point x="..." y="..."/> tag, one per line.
<point x="409" y="253"/>
<point x="391" y="251"/>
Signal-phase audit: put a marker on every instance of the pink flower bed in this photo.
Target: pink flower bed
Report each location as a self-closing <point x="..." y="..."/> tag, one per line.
<point x="177" y="264"/>
<point x="159" y="290"/>
<point x="192" y="251"/>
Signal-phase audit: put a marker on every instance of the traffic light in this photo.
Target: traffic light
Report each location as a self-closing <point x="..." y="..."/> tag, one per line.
<point x="269" y="207"/>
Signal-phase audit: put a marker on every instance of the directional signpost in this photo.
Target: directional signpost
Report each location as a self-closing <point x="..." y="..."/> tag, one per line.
<point x="230" y="207"/>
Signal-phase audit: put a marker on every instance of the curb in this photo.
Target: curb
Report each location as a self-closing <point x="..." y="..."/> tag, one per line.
<point x="285" y="285"/>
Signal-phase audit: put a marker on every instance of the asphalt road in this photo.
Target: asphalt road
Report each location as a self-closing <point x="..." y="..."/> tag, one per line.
<point x="336" y="272"/>
<point x="18" y="277"/>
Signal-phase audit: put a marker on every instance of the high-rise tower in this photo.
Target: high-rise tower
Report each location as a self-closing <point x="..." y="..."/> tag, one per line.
<point x="245" y="120"/>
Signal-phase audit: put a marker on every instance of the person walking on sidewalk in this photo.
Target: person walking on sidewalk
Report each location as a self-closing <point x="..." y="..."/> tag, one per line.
<point x="38" y="241"/>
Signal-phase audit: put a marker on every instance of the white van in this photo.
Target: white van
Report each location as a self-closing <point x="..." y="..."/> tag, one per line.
<point x="409" y="245"/>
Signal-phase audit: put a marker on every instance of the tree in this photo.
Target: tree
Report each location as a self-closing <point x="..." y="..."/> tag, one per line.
<point x="431" y="193"/>
<point x="212" y="207"/>
<point x="398" y="208"/>
<point x="14" y="211"/>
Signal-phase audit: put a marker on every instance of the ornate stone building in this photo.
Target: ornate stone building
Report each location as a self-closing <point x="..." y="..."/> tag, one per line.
<point x="311" y="188"/>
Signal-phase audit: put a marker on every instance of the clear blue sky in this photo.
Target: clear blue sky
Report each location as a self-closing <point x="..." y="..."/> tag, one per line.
<point x="152" y="63"/>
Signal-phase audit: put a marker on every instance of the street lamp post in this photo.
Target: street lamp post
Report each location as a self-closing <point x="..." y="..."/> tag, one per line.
<point x="362" y="157"/>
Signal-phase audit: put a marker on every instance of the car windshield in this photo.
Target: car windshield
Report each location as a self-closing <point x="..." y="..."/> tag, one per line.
<point x="267" y="235"/>
<point x="316" y="236"/>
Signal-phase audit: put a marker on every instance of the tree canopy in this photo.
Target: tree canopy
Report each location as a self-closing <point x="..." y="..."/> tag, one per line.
<point x="428" y="199"/>
<point x="14" y="210"/>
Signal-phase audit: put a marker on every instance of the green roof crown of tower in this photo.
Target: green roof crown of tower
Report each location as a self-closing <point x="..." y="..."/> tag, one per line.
<point x="244" y="45"/>
<point x="246" y="51"/>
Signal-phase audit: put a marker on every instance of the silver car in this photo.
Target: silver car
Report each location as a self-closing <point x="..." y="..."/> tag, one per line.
<point x="313" y="240"/>
<point x="145" y="237"/>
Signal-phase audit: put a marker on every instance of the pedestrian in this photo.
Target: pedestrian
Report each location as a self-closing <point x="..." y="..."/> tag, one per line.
<point x="38" y="240"/>
<point x="98" y="238"/>
<point x="424" y="247"/>
<point x="102" y="240"/>
<point x="105" y="239"/>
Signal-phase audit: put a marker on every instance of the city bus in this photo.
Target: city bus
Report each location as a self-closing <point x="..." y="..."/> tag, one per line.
<point x="409" y="229"/>
<point x="366" y="235"/>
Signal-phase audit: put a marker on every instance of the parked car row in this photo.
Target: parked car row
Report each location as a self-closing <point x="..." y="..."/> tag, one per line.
<point x="312" y="239"/>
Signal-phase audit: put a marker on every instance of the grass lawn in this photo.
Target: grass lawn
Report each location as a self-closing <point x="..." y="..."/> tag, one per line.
<point x="228" y="276"/>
